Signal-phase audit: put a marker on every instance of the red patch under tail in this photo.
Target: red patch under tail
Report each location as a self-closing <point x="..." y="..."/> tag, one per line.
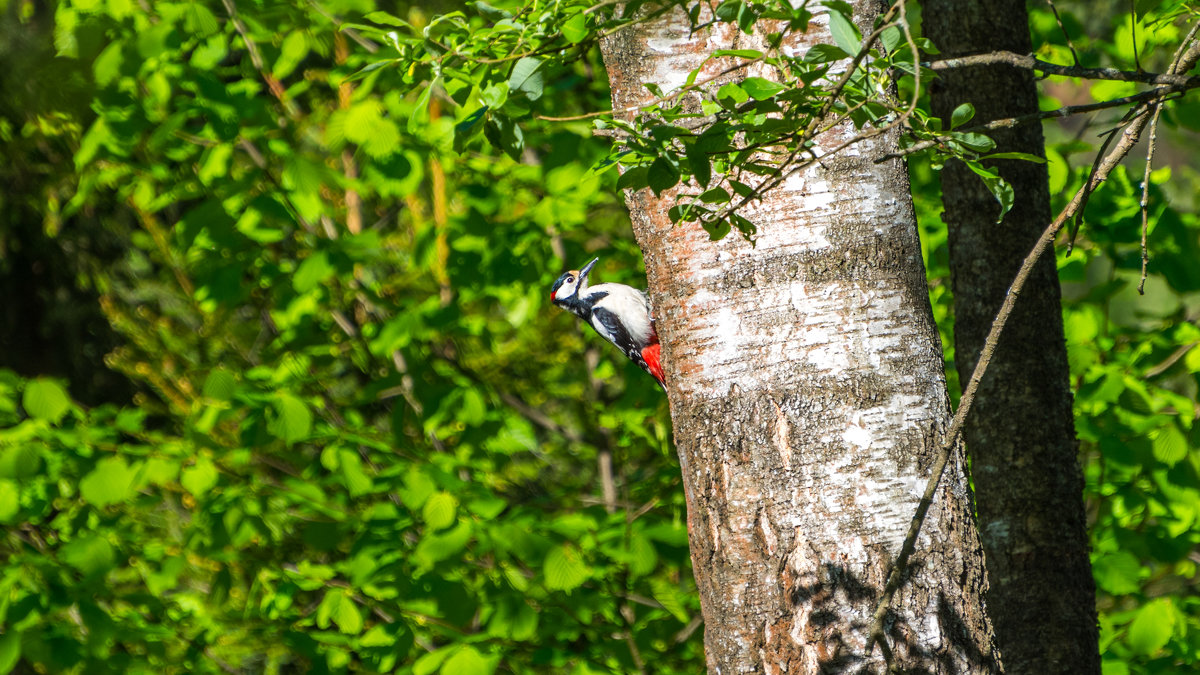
<point x="653" y="357"/>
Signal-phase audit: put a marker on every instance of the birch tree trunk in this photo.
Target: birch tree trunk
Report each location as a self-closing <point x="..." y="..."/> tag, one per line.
<point x="1021" y="434"/>
<point x="807" y="397"/>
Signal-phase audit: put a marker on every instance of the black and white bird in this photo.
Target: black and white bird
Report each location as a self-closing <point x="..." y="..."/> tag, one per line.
<point x="619" y="313"/>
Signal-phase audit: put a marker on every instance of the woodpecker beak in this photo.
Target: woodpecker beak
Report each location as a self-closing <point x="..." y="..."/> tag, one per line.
<point x="587" y="268"/>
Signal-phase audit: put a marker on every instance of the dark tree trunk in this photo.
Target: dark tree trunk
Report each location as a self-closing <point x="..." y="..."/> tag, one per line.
<point x="807" y="398"/>
<point x="1020" y="435"/>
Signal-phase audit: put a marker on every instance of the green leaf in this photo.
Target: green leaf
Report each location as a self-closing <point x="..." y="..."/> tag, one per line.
<point x="387" y="19"/>
<point x="667" y="595"/>
<point x="845" y="33"/>
<point x="487" y="508"/>
<point x="440" y="510"/>
<point x="109" y="483"/>
<point x="293" y="421"/>
<point x="10" y="649"/>
<point x="45" y="400"/>
<point x="564" y="569"/>
<point x="974" y="141"/>
<point x="312" y="272"/>
<point x="466" y="661"/>
<point x="1000" y="189"/>
<point x="1015" y="155"/>
<point x="662" y="175"/>
<point x="416" y="489"/>
<point x="891" y="37"/>
<point x="504" y="133"/>
<point x="714" y="196"/>
<point x="354" y="476"/>
<point x="291" y="53"/>
<point x="420" y="112"/>
<point x="92" y="555"/>
<point x="575" y="29"/>
<point x="1117" y="573"/>
<point x="220" y="385"/>
<point x="10" y="500"/>
<point x="1152" y="627"/>
<point x="348" y="617"/>
<point x="699" y="164"/>
<point x="731" y="95"/>
<point x="527" y="78"/>
<point x="961" y="115"/>
<point x="107" y="66"/>
<point x="199" y="478"/>
<point x="634" y="178"/>
<point x="437" y="546"/>
<point x="200" y="20"/>
<point x="643" y="555"/>
<point x="429" y="663"/>
<point x="1170" y="445"/>
<point x="740" y="53"/>
<point x="824" y="54"/>
<point x="761" y="89"/>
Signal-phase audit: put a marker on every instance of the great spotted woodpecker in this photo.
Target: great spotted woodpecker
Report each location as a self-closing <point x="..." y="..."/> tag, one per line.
<point x="619" y="313"/>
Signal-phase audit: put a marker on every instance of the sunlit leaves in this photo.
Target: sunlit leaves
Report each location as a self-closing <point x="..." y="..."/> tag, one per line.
<point x="1170" y="445"/>
<point x="325" y="465"/>
<point x="841" y="25"/>
<point x="339" y="608"/>
<point x="439" y="510"/>
<point x="468" y="661"/>
<point x="10" y="500"/>
<point x="111" y="482"/>
<point x="1118" y="573"/>
<point x="565" y="569"/>
<point x="10" y="650"/>
<point x="200" y="477"/>
<point x="760" y="89"/>
<point x="46" y="400"/>
<point x="91" y="555"/>
<point x="1152" y="627"/>
<point x="292" y="420"/>
<point x="366" y="125"/>
<point x="528" y="78"/>
<point x="669" y="597"/>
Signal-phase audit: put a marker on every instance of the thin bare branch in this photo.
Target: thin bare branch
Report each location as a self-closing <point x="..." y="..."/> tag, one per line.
<point x="1028" y="62"/>
<point x="1145" y="201"/>
<point x="1061" y="27"/>
<point x="1158" y="95"/>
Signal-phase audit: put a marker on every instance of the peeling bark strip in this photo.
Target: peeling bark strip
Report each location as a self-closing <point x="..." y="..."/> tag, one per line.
<point x="807" y="398"/>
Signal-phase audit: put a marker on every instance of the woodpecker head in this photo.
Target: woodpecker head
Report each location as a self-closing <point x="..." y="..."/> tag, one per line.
<point x="570" y="288"/>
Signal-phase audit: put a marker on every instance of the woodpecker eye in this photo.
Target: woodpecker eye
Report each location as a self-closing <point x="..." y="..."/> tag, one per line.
<point x="570" y="280"/>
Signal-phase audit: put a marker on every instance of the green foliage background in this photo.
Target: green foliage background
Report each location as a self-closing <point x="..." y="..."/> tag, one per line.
<point x="291" y="395"/>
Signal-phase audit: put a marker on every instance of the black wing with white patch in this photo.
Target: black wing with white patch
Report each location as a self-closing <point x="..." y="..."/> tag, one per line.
<point x="610" y="328"/>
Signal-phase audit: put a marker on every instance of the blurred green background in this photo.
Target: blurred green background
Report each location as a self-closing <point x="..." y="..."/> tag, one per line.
<point x="281" y="389"/>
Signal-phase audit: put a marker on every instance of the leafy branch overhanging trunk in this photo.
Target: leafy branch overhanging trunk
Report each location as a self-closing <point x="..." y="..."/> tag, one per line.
<point x="807" y="398"/>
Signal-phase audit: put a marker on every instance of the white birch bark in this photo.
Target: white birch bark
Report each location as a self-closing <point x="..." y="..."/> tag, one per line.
<point x="807" y="396"/>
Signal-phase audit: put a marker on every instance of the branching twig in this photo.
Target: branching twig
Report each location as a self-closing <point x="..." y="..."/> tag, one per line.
<point x="1158" y="95"/>
<point x="1061" y="27"/>
<point x="1029" y="62"/>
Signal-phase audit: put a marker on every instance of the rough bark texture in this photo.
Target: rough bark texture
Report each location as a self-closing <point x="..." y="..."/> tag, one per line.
<point x="1021" y="434"/>
<point x="807" y="398"/>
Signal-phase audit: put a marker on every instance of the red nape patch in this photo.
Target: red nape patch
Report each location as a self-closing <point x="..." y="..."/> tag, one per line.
<point x="653" y="357"/>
